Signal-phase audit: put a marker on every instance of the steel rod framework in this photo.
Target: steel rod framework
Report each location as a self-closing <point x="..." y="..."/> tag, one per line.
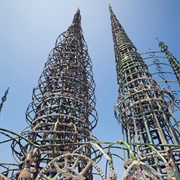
<point x="172" y="60"/>
<point x="62" y="111"/>
<point x="143" y="109"/>
<point x="58" y="143"/>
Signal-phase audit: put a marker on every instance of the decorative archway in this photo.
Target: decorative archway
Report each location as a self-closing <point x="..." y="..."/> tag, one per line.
<point x="139" y="170"/>
<point x="69" y="166"/>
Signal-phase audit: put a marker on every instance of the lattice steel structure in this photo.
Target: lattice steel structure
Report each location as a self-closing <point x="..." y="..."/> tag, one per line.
<point x="172" y="60"/>
<point x="58" y="144"/>
<point x="62" y="112"/>
<point x="145" y="112"/>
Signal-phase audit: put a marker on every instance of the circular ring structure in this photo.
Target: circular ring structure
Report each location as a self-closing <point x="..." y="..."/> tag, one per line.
<point x="69" y="166"/>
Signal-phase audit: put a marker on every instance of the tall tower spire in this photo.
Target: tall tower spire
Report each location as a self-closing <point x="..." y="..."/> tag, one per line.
<point x="172" y="60"/>
<point x="119" y="35"/>
<point x="62" y="112"/>
<point x="143" y="109"/>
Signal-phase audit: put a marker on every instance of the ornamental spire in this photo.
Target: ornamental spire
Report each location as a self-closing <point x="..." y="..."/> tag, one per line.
<point x="4" y="99"/>
<point x="62" y="112"/>
<point x="172" y="60"/>
<point x="120" y="37"/>
<point x="142" y="109"/>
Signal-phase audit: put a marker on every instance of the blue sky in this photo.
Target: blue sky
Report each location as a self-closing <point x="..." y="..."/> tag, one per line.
<point x="28" y="30"/>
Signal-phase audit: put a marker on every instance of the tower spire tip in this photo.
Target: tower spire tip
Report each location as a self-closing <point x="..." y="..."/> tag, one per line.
<point x="110" y="8"/>
<point x="157" y="39"/>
